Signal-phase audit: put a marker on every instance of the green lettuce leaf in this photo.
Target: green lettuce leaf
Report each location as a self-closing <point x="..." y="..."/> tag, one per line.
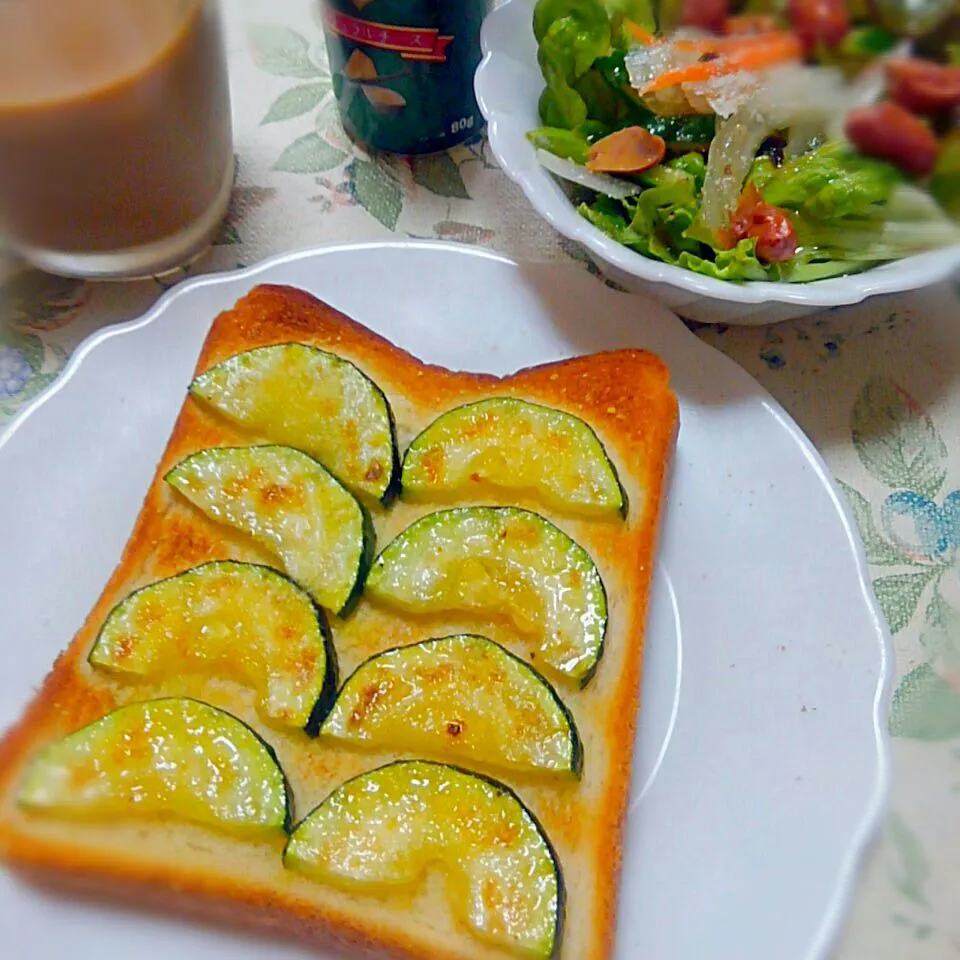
<point x="568" y="144"/>
<point x="604" y="103"/>
<point x="572" y="43"/>
<point x="667" y="211"/>
<point x="640" y="12"/>
<point x="851" y="211"/>
<point x="738" y="264"/>
<point x="612" y="218"/>
<point x="803" y="268"/>
<point x="660" y="221"/>
<point x="655" y="230"/>
<point x="572" y="34"/>
<point x="560" y="105"/>
<point x="593" y="130"/>
<point x="867" y="41"/>
<point x="693" y="165"/>
<point x="869" y="240"/>
<point x="945" y="185"/>
<point x="615" y="218"/>
<point x="828" y="182"/>
<point x="548" y="12"/>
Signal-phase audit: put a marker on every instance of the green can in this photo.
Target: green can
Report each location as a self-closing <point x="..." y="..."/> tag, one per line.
<point x="403" y="71"/>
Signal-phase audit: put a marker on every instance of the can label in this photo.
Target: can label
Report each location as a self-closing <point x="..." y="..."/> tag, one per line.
<point x="403" y="71"/>
<point x="409" y="42"/>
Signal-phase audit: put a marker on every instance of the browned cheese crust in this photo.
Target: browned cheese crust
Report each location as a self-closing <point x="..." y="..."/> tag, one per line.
<point x="625" y="396"/>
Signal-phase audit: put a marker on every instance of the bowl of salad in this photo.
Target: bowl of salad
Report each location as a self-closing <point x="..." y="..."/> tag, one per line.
<point x="742" y="162"/>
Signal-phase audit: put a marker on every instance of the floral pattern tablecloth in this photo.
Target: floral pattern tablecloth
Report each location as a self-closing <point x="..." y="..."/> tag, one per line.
<point x="877" y="388"/>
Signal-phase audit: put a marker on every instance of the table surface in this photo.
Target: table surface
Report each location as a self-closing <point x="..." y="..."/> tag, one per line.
<point x="876" y="387"/>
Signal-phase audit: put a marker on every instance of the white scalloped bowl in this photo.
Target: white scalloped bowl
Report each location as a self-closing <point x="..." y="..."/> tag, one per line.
<point x="508" y="85"/>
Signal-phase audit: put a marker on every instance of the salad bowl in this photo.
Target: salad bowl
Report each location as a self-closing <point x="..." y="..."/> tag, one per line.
<point x="508" y="86"/>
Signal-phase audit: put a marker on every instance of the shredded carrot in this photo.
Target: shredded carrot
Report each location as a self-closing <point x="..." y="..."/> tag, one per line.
<point x="735" y="42"/>
<point x="755" y="55"/>
<point x="747" y="25"/>
<point x="696" y="73"/>
<point x="777" y="47"/>
<point x="639" y="34"/>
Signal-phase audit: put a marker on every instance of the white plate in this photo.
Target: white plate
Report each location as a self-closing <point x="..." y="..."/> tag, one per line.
<point x="508" y="87"/>
<point x="761" y="766"/>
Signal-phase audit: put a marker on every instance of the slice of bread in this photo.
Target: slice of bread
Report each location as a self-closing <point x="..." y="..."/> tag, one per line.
<point x="625" y="397"/>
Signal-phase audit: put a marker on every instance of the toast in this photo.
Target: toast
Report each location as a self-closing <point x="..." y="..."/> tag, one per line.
<point x="624" y="397"/>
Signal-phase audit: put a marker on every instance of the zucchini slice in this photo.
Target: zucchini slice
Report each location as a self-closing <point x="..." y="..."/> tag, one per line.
<point x="292" y="505"/>
<point x="462" y="697"/>
<point x="242" y="621"/>
<point x="503" y="561"/>
<point x="383" y="829"/>
<point x="173" y="757"/>
<point x="513" y="445"/>
<point x="312" y="400"/>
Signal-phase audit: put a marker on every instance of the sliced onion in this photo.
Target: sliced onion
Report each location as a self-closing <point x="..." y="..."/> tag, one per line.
<point x="732" y="152"/>
<point x="804" y="136"/>
<point x="908" y="202"/>
<point x="869" y="85"/>
<point x="794" y="94"/>
<point x="724" y="94"/>
<point x="803" y="98"/>
<point x="867" y="88"/>
<point x="598" y="182"/>
<point x="645" y="64"/>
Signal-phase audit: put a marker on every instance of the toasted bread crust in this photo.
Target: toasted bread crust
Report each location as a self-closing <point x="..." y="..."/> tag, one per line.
<point x="624" y="395"/>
